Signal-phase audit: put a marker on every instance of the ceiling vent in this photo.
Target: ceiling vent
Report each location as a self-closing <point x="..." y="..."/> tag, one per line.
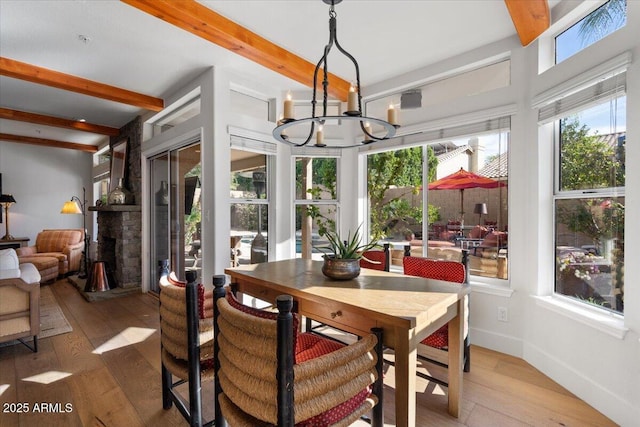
<point x="411" y="99"/>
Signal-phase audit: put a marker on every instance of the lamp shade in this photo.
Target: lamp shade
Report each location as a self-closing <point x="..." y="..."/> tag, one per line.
<point x="7" y="198"/>
<point x="480" y="208"/>
<point x="71" y="207"/>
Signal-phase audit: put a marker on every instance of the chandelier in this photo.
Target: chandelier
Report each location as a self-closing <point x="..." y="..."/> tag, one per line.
<point x="354" y="104"/>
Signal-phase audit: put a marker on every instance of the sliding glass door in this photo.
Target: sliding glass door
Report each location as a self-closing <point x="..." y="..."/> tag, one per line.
<point x="176" y="211"/>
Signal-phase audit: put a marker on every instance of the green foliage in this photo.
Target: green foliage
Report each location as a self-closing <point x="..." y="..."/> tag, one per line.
<point x="349" y="248"/>
<point x="603" y="21"/>
<point x="324" y="171"/>
<point x="399" y="168"/>
<point x="597" y="218"/>
<point x="587" y="163"/>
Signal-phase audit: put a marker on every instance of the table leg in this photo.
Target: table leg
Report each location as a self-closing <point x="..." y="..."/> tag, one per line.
<point x="456" y="346"/>
<point x="405" y="370"/>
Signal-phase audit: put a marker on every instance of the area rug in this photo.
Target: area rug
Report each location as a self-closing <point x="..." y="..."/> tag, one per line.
<point x="52" y="320"/>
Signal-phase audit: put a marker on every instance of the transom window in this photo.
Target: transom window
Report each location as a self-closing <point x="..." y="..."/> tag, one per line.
<point x="603" y="21"/>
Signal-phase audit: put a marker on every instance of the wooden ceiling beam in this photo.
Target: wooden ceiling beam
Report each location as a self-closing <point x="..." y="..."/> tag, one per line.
<point x="40" y="119"/>
<point x="31" y="73"/>
<point x="47" y="142"/>
<point x="530" y="17"/>
<point x="204" y="22"/>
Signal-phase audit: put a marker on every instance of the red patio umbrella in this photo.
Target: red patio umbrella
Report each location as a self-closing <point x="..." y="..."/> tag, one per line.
<point x="461" y="180"/>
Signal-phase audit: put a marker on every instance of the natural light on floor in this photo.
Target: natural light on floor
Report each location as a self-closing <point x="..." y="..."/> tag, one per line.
<point x="47" y="377"/>
<point x="127" y="337"/>
<point x="3" y="388"/>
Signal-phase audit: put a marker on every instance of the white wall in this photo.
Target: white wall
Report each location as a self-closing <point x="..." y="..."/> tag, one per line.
<point x="597" y="357"/>
<point x="41" y="179"/>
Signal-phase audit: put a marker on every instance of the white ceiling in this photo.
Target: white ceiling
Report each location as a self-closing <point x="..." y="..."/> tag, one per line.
<point x="136" y="51"/>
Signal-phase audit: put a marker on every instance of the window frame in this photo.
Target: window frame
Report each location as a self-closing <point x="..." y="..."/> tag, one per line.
<point x="585" y="193"/>
<point x="496" y="120"/>
<point x="313" y="202"/>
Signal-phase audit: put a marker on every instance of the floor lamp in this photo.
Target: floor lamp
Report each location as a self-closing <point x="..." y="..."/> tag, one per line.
<point x="7" y="200"/>
<point x="77" y="206"/>
<point x="480" y="209"/>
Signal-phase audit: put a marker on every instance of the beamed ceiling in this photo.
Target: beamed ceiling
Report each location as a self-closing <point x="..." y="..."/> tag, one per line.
<point x="109" y="61"/>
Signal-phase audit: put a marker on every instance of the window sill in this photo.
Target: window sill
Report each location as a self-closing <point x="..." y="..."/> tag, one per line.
<point x="609" y="323"/>
<point x="491" y="289"/>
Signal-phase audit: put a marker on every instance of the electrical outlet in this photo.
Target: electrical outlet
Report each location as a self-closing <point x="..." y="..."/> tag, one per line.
<point x="503" y="314"/>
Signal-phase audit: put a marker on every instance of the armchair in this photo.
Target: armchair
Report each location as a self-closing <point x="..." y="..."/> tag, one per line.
<point x="19" y="300"/>
<point x="66" y="245"/>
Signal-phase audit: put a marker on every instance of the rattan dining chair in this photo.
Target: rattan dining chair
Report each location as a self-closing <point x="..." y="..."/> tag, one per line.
<point x="434" y="347"/>
<point x="268" y="374"/>
<point x="186" y="334"/>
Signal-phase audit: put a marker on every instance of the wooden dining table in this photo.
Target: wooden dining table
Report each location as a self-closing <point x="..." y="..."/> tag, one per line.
<point x="407" y="308"/>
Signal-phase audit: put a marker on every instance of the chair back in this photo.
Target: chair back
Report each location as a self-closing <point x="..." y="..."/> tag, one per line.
<point x="451" y="271"/>
<point x="257" y="377"/>
<point x="178" y="304"/>
<point x="377" y="259"/>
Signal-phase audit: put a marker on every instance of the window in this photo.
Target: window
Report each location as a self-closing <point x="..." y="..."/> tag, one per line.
<point x="603" y="21"/>
<point x="249" y="207"/>
<point x="316" y="203"/>
<point x="472" y="217"/>
<point x="482" y="79"/>
<point x="590" y="204"/>
<point x="249" y="105"/>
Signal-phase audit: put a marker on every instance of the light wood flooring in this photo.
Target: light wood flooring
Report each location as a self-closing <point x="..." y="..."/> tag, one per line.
<point x="108" y="372"/>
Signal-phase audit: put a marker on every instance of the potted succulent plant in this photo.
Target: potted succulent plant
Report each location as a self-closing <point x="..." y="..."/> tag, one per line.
<point x="342" y="256"/>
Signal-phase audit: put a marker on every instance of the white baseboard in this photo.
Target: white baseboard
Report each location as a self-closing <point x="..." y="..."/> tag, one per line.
<point x="612" y="405"/>
<point x="497" y="342"/>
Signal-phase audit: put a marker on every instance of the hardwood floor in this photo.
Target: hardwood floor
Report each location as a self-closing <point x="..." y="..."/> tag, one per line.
<point x="107" y="373"/>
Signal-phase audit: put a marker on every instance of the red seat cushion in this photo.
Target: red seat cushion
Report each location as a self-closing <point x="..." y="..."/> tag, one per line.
<point x="451" y="271"/>
<point x="438" y="339"/>
<point x="379" y="259"/>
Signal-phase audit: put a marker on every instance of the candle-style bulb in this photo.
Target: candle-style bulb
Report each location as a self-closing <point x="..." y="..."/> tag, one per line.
<point x="392" y="115"/>
<point x="320" y="137"/>
<point x="288" y="107"/>
<point x="352" y="99"/>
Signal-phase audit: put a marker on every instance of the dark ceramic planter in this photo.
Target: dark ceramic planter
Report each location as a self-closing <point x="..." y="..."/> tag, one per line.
<point x="340" y="269"/>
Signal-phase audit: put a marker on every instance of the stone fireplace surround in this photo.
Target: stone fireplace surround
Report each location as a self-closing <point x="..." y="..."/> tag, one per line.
<point x="120" y="226"/>
<point x="119" y="243"/>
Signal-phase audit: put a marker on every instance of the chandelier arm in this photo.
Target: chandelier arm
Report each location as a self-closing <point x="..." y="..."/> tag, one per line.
<point x="306" y="141"/>
<point x="325" y="81"/>
<point x="355" y="65"/>
<point x="373" y="137"/>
